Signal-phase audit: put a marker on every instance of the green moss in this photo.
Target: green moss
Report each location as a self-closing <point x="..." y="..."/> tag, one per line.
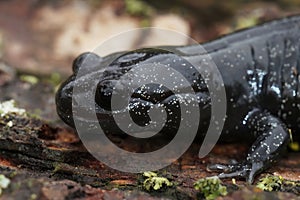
<point x="55" y="79"/>
<point x="210" y="187"/>
<point x="138" y="8"/>
<point x="154" y="182"/>
<point x="36" y="114"/>
<point x="29" y="79"/>
<point x="13" y="174"/>
<point x="145" y="23"/>
<point x="247" y="21"/>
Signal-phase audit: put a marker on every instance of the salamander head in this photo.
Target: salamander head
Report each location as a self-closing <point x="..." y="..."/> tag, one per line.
<point x="107" y="71"/>
<point x="104" y="72"/>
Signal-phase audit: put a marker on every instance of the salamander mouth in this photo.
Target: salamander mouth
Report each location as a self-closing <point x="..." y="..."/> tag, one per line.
<point x="63" y="100"/>
<point x="154" y="98"/>
<point x="138" y="108"/>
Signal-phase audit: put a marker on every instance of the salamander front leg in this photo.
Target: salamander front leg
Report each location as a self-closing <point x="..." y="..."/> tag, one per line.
<point x="271" y="143"/>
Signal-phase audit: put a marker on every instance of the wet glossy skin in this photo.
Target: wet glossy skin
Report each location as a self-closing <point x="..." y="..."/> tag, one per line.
<point x="259" y="67"/>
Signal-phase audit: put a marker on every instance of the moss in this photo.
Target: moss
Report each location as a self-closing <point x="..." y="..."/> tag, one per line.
<point x="29" y="79"/>
<point x="277" y="183"/>
<point x="13" y="174"/>
<point x="138" y="8"/>
<point x="35" y="114"/>
<point x="154" y="182"/>
<point x="55" y="79"/>
<point x="270" y="183"/>
<point x="210" y="187"/>
<point x="145" y="23"/>
<point x="247" y="21"/>
<point x="33" y="197"/>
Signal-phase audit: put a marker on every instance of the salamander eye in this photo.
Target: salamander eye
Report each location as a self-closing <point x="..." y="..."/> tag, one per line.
<point x="85" y="59"/>
<point x="133" y="57"/>
<point x="137" y="56"/>
<point x="130" y="59"/>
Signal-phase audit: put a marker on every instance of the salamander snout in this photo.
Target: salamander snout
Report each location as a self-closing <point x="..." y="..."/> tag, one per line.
<point x="63" y="100"/>
<point x="86" y="62"/>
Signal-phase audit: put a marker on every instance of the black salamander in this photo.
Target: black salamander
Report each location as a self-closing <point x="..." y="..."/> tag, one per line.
<point x="260" y="69"/>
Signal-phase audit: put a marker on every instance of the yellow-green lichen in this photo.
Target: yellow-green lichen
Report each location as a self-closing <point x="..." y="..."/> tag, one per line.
<point x="276" y="183"/>
<point x="210" y="187"/>
<point x="4" y="182"/>
<point x="270" y="183"/>
<point x="154" y="182"/>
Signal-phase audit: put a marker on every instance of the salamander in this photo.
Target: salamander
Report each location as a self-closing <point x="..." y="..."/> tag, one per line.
<point x="260" y="70"/>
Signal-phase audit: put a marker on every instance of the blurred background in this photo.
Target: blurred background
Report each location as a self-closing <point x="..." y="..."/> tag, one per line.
<point x="42" y="38"/>
<point x="45" y="36"/>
